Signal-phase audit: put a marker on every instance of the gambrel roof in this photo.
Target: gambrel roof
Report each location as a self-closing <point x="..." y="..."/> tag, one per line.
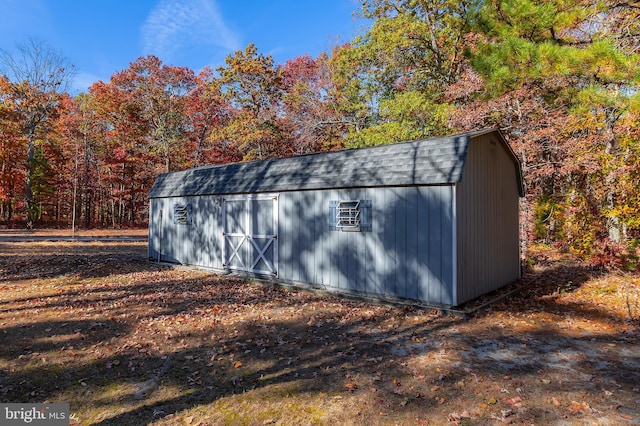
<point x="433" y="161"/>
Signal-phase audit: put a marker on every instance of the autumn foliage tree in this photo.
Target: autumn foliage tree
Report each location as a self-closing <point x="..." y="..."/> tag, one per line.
<point x="559" y="77"/>
<point x="311" y="112"/>
<point x="208" y="113"/>
<point x="578" y="61"/>
<point x="251" y="82"/>
<point x="411" y="53"/>
<point x="34" y="80"/>
<point x="11" y="153"/>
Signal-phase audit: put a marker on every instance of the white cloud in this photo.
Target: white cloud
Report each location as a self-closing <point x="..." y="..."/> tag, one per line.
<point x="175" y="25"/>
<point x="82" y="82"/>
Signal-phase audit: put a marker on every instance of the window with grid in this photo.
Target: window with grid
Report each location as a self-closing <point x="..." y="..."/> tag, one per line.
<point x="350" y="215"/>
<point x="182" y="214"/>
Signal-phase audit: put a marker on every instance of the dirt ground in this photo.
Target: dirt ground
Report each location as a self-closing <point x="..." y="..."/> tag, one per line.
<point x="129" y="342"/>
<point x="52" y="233"/>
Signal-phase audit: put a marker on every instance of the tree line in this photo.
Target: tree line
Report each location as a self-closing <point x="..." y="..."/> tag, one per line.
<point x="559" y="77"/>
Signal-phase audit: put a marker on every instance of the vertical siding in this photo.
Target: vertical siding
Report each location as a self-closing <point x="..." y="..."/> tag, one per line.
<point x="375" y="253"/>
<point x="412" y="278"/>
<point x="487" y="220"/>
<point x="306" y="241"/>
<point x="155" y="212"/>
<point x="205" y="233"/>
<point x="285" y="230"/>
<point x="400" y="230"/>
<point x="404" y="255"/>
<point x="355" y="247"/>
<point x="211" y="213"/>
<point x="426" y="290"/>
<point x="447" y="247"/>
<point x="183" y="235"/>
<point x="169" y="241"/>
<point x="388" y="239"/>
<point x="295" y="239"/>
<point x="433" y="231"/>
<point x="319" y="267"/>
<point x="341" y="251"/>
<point x="198" y="243"/>
<point x="176" y="235"/>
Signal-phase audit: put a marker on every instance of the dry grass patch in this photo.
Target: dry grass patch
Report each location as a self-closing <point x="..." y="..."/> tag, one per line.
<point x="66" y="232"/>
<point x="130" y="342"/>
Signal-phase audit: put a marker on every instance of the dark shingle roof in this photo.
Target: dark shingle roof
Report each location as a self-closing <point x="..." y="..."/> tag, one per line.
<point x="425" y="162"/>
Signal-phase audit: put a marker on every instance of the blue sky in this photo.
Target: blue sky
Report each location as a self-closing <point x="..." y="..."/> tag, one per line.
<point x="101" y="37"/>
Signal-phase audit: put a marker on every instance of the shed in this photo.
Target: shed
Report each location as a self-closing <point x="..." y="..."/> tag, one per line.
<point x="434" y="220"/>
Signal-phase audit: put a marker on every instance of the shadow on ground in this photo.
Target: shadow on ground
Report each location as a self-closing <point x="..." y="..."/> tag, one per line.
<point x="146" y="343"/>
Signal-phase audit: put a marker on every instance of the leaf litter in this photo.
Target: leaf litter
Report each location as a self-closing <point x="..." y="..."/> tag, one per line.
<point x="127" y="341"/>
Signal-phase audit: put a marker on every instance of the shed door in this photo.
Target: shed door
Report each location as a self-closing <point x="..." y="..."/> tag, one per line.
<point x="250" y="233"/>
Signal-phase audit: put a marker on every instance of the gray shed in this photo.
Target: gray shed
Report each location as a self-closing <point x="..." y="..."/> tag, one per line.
<point x="434" y="220"/>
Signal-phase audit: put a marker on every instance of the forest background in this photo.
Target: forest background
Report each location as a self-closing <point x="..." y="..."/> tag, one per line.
<point x="559" y="77"/>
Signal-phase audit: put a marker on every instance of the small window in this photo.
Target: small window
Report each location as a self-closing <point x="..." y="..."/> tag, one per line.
<point x="182" y="214"/>
<point x="350" y="215"/>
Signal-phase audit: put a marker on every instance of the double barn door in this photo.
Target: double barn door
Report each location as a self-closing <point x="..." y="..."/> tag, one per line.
<point x="250" y="233"/>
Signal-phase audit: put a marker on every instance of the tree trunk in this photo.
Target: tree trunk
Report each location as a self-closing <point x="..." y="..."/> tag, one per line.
<point x="612" y="221"/>
<point x="113" y="213"/>
<point x="28" y="191"/>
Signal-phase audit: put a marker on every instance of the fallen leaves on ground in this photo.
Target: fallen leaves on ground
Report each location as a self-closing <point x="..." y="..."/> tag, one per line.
<point x="127" y="341"/>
